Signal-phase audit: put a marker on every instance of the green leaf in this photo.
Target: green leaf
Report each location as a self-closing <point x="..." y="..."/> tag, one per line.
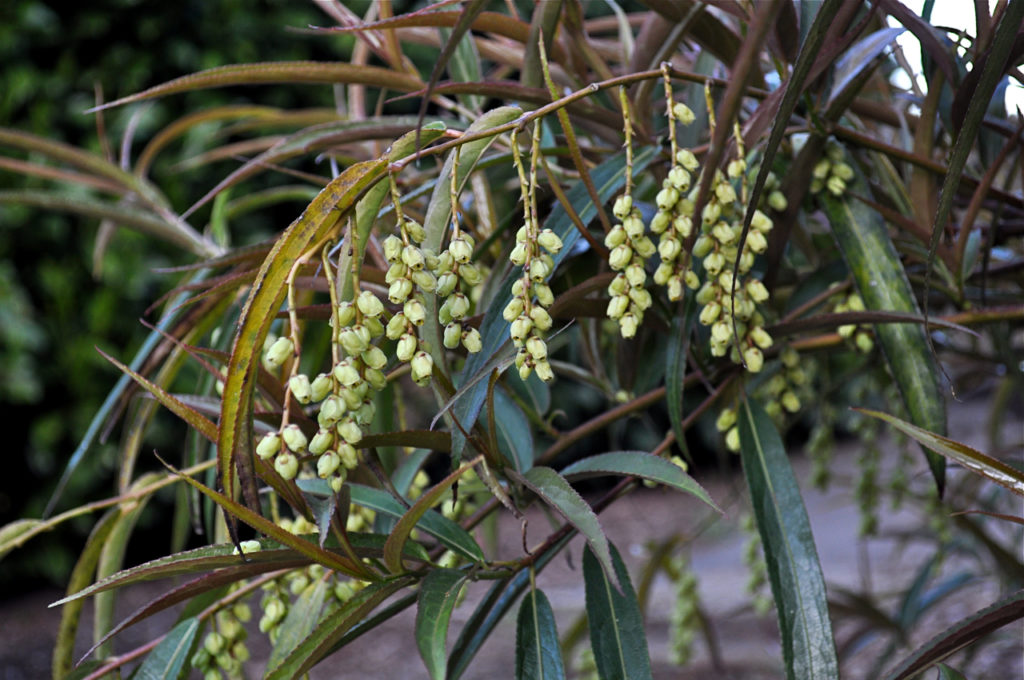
<point x="975" y="461"/>
<point x="882" y="283"/>
<point x="808" y="647"/>
<point x="492" y="609"/>
<point x="515" y="436"/>
<point x="638" y="464"/>
<point x="81" y="576"/>
<point x="235" y="446"/>
<point x="949" y="673"/>
<point x="409" y="520"/>
<point x="449" y="533"/>
<point x="333" y="627"/>
<point x="287" y="72"/>
<point x="168" y="658"/>
<point x="556" y="492"/>
<point x="966" y="631"/>
<point x="15" y="533"/>
<point x="303" y="616"/>
<point x="439" y="593"/>
<point x="675" y="368"/>
<point x="195" y="420"/>
<point x="538" y="656"/>
<point x="616" y="626"/>
<point x="144" y="221"/>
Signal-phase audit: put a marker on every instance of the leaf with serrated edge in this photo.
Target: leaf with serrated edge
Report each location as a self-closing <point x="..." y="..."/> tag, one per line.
<point x="234" y="445"/>
<point x="168" y="658"/>
<point x="638" y="464"/>
<point x="438" y="595"/>
<point x="616" y="626"/>
<point x="196" y="420"/>
<point x="552" y="488"/>
<point x="972" y="459"/>
<point x="808" y="647"/>
<point x="262" y="524"/>
<point x="538" y="656"/>
<point x="405" y="525"/>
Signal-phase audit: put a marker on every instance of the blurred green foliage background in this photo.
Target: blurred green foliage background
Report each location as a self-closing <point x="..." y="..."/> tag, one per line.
<point x="54" y="307"/>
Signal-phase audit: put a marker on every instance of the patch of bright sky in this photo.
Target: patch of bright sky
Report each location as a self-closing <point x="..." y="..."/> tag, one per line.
<point x="957" y="15"/>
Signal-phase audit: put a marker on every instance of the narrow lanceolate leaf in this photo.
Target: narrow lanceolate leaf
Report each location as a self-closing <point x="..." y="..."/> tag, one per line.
<point x="638" y="464"/>
<point x="82" y="575"/>
<point x="965" y="632"/>
<point x="616" y="626"/>
<point x="949" y="673"/>
<point x="878" y="272"/>
<point x="17" y="532"/>
<point x="303" y="616"/>
<point x="538" y="656"/>
<point x="808" y="647"/>
<point x="552" y="488"/>
<point x="260" y="523"/>
<point x="400" y="534"/>
<point x="196" y="420"/>
<point x="168" y="658"/>
<point x="235" y="446"/>
<point x="332" y="628"/>
<point x="972" y="459"/>
<point x="438" y="594"/>
<point x="288" y="72"/>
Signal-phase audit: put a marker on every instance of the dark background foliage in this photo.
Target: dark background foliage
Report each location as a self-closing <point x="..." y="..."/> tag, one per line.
<point x="54" y="307"/>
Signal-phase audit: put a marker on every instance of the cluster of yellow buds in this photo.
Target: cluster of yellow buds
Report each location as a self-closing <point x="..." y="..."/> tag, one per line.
<point x="831" y="172"/>
<point x="224" y="650"/>
<point x="527" y="311"/>
<point x="772" y="196"/>
<point x="629" y="247"/>
<point x="684" y="622"/>
<point x="410" y="267"/>
<point x="673" y="221"/>
<point x="344" y="395"/>
<point x="454" y="268"/>
<point x="859" y="335"/>
<point x="781" y="392"/>
<point x="725" y="309"/>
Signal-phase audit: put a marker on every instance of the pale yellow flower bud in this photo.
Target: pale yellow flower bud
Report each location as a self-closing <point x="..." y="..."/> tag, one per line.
<point x="406" y="347"/>
<point x="300" y="388"/>
<point x="279" y="352"/>
<point x="327" y="464"/>
<point x="269" y="445"/>
<point x="321" y="441"/>
<point x="287" y="465"/>
<point x="422" y="368"/>
<point x="682" y="113"/>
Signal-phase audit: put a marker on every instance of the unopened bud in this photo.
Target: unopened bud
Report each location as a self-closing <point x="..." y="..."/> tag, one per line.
<point x="269" y="445"/>
<point x="392" y="248"/>
<point x="620" y="256"/>
<point x="623" y="205"/>
<point x="279" y="352"/>
<point x="540" y="317"/>
<point x="537" y="348"/>
<point x="452" y="335"/>
<point x="422" y="368"/>
<point x="287" y="465"/>
<point x="513" y="309"/>
<point x="686" y="159"/>
<point x="294" y="438"/>
<point x="300" y="388"/>
<point x="321" y="441"/>
<point x="682" y="113"/>
<point x="549" y="241"/>
<point x="406" y="347"/>
<point x="349" y="431"/>
<point x="471" y="340"/>
<point x="544" y="371"/>
<point x="331" y="411"/>
<point x="461" y="251"/>
<point x="327" y="464"/>
<point x="414" y="311"/>
<point x="754" y="359"/>
<point x="628" y="325"/>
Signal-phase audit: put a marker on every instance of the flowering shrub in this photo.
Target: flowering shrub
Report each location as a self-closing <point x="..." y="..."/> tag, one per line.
<point x="746" y="245"/>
